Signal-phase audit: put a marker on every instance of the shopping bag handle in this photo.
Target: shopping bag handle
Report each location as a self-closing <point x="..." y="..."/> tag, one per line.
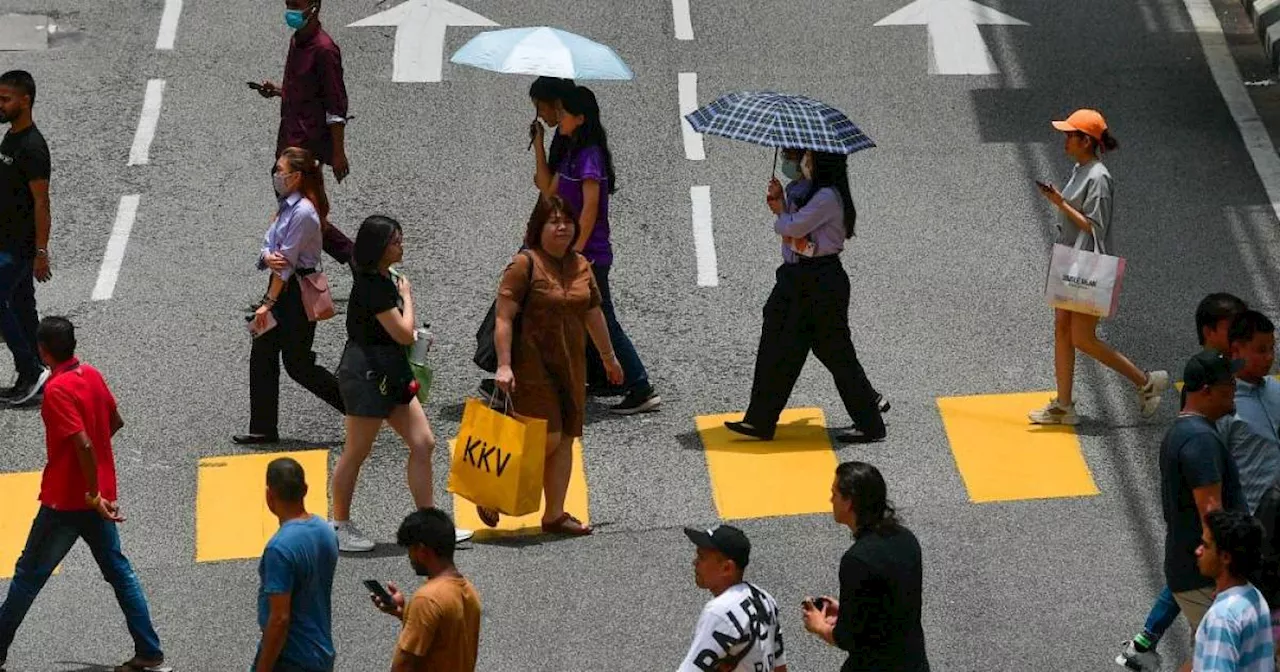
<point x="1097" y="244"/>
<point x="506" y="400"/>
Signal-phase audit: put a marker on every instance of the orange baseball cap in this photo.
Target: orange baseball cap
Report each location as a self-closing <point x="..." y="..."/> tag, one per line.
<point x="1089" y="122"/>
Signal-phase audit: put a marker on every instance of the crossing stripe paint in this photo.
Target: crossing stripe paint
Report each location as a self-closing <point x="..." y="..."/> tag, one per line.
<point x="18" y="493"/>
<point x="232" y="519"/>
<point x="796" y="466"/>
<point x="1001" y="456"/>
<point x="575" y="502"/>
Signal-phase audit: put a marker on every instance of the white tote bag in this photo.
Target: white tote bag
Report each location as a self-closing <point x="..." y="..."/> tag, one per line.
<point x="1084" y="282"/>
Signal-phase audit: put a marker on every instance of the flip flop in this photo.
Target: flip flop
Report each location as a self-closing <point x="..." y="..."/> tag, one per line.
<point x="487" y="516"/>
<point x="567" y="525"/>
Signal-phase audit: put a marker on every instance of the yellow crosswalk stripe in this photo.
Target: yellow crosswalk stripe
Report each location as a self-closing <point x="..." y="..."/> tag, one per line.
<point x="232" y="519"/>
<point x="1002" y="456"/>
<point x="790" y="475"/>
<point x="18" y="493"/>
<point x="575" y="502"/>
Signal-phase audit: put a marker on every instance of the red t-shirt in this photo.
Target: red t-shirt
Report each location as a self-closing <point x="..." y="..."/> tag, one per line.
<point x="76" y="399"/>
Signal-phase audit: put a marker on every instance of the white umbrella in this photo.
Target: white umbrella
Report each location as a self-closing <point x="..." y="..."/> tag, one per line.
<point x="547" y="52"/>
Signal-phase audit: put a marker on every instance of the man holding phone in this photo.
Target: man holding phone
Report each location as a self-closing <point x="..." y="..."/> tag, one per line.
<point x="441" y="631"/>
<point x="296" y="573"/>
<point x="313" y="103"/>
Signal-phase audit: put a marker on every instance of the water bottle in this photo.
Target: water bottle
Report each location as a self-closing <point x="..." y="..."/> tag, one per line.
<point x="422" y="342"/>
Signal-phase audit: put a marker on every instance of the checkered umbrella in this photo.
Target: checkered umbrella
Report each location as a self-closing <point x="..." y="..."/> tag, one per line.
<point x="779" y="120"/>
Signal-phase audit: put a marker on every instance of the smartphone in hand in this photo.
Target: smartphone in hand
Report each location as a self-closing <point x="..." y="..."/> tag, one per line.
<point x="375" y="588"/>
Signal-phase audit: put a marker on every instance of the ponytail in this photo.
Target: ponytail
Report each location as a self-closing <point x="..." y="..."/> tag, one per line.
<point x="312" y="187"/>
<point x="1109" y="142"/>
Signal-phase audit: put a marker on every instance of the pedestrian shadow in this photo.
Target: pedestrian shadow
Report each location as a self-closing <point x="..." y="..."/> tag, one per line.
<point x="380" y="550"/>
<point x="452" y="412"/>
<point x="527" y="537"/>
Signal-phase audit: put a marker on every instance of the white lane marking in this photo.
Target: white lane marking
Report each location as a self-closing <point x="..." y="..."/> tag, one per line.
<point x="955" y="43"/>
<point x="1227" y="76"/>
<point x="684" y="25"/>
<point x="169" y="24"/>
<point x="693" y="149"/>
<point x="420" y="30"/>
<point x="704" y="241"/>
<point x="141" y="151"/>
<point x="114" y="256"/>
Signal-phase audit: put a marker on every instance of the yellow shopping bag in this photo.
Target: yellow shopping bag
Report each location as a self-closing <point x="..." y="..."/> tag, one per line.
<point x="498" y="460"/>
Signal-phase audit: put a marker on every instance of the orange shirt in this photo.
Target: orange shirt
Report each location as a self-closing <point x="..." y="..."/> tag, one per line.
<point x="442" y="626"/>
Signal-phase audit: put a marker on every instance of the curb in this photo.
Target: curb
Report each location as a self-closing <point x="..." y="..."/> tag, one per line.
<point x="1265" y="15"/>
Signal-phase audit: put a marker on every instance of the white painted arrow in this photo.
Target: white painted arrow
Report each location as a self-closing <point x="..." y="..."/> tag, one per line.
<point x="955" y="45"/>
<point x="420" y="27"/>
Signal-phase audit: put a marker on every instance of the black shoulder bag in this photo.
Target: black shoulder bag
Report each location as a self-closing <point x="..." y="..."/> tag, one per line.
<point x="486" y="356"/>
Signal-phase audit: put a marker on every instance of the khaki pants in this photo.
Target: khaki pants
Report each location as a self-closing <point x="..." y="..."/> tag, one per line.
<point x="1194" y="604"/>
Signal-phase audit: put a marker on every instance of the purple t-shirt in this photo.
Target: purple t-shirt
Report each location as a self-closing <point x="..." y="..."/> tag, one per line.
<point x="588" y="163"/>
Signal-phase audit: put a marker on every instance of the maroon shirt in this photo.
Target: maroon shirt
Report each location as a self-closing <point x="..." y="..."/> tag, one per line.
<point x="312" y="89"/>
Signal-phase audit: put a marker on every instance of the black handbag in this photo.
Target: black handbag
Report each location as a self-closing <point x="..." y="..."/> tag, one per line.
<point x="486" y="356"/>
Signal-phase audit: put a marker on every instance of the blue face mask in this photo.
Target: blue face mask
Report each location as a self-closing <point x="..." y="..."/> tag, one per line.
<point x="791" y="169"/>
<point x="295" y="18"/>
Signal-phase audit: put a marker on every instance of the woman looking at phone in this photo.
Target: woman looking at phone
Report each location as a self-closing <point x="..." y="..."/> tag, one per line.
<point x="375" y="377"/>
<point x="290" y="249"/>
<point x="1086" y="203"/>
<point x="542" y="366"/>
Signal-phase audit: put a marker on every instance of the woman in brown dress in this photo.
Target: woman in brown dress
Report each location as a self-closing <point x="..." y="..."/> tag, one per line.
<point x="543" y="364"/>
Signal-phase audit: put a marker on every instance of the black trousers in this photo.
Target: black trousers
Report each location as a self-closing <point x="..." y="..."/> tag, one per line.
<point x="291" y="341"/>
<point x="809" y="310"/>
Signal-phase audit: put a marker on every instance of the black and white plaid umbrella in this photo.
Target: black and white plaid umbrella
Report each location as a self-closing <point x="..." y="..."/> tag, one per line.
<point x="780" y="120"/>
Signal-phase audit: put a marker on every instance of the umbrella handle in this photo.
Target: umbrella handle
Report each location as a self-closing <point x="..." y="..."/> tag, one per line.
<point x="535" y="120"/>
<point x="774" y="172"/>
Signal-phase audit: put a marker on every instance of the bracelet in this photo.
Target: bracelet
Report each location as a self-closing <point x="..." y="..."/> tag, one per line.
<point x="267" y="300"/>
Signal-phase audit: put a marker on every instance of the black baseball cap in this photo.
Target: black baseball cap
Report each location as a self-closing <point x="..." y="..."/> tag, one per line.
<point x="1208" y="367"/>
<point x="727" y="539"/>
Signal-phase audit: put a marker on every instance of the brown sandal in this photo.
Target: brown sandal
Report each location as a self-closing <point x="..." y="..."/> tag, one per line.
<point x="487" y="516"/>
<point x="566" y="524"/>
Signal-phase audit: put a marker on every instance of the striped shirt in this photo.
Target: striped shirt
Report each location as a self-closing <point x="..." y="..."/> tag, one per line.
<point x="1235" y="635"/>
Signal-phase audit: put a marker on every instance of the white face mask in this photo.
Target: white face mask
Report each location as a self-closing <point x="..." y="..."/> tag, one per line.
<point x="278" y="181"/>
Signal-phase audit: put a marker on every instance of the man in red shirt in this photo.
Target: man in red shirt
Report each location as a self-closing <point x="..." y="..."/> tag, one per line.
<point x="78" y="496"/>
<point x="313" y="103"/>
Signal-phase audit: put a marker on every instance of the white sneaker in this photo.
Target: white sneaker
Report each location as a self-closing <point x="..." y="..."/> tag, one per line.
<point x="22" y="396"/>
<point x="462" y="534"/>
<point x="1150" y="395"/>
<point x="351" y="539"/>
<point x="1146" y="661"/>
<point x="1055" y="414"/>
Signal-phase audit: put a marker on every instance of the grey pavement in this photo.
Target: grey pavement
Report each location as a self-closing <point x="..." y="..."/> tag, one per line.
<point x="947" y="273"/>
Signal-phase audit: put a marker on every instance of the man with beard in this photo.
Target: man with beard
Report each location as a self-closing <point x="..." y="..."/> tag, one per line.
<point x="24" y="232"/>
<point x="441" y="630"/>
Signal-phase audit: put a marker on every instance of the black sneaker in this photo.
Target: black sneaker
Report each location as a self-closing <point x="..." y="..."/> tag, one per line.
<point x="856" y="435"/>
<point x="639" y="400"/>
<point x="882" y="404"/>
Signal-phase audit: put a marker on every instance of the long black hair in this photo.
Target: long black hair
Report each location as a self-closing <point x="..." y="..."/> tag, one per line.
<point x="832" y="170"/>
<point x="581" y="102"/>
<point x="865" y="487"/>
<point x="372" y="239"/>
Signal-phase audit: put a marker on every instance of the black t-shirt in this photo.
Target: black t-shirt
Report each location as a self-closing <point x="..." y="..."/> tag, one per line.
<point x="371" y="293"/>
<point x="24" y="158"/>
<point x="1192" y="455"/>
<point x="880" y="602"/>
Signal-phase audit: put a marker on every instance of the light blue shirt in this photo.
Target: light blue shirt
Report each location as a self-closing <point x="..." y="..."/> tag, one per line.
<point x="821" y="221"/>
<point x="1235" y="635"/>
<point x="1253" y="436"/>
<point x="295" y="233"/>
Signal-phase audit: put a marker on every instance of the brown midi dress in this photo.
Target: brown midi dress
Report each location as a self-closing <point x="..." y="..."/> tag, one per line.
<point x="549" y="355"/>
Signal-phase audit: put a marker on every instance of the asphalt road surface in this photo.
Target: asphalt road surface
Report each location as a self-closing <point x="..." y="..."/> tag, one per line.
<point x="947" y="275"/>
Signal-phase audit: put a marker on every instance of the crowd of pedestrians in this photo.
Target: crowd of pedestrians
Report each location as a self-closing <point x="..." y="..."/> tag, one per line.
<point x="558" y="340"/>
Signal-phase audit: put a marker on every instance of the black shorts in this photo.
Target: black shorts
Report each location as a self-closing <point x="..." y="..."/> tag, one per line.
<point x="373" y="379"/>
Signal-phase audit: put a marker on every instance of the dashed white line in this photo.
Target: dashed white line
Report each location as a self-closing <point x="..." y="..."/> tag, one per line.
<point x="704" y="240"/>
<point x="114" y="256"/>
<point x="140" y="153"/>
<point x="169" y="24"/>
<point x="1223" y="67"/>
<point x="693" y="149"/>
<point x="684" y="25"/>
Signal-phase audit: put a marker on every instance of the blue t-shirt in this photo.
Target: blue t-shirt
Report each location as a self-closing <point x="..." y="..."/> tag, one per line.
<point x="1192" y="455"/>
<point x="300" y="560"/>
